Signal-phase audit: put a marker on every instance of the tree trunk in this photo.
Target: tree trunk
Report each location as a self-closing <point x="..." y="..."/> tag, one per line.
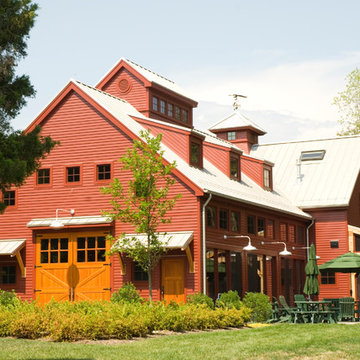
<point x="150" y="285"/>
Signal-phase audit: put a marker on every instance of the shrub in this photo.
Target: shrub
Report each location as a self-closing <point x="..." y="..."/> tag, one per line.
<point x="127" y="294"/>
<point x="8" y="298"/>
<point x="229" y="300"/>
<point x="200" y="299"/>
<point x="260" y="306"/>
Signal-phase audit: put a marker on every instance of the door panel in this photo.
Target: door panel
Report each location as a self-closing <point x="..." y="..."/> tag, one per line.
<point x="72" y="266"/>
<point x="172" y="275"/>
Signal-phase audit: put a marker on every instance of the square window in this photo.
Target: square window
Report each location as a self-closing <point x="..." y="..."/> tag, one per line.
<point x="235" y="221"/>
<point x="73" y="174"/>
<point x="328" y="278"/>
<point x="10" y="198"/>
<point x="162" y="106"/>
<point x="251" y="224"/>
<point x="211" y="216"/>
<point x="223" y="219"/>
<point x="8" y="274"/>
<point x="155" y="103"/>
<point x="170" y="109"/>
<point x="231" y="135"/>
<point x="43" y="176"/>
<point x="103" y="172"/>
<point x="334" y="244"/>
<point x="139" y="273"/>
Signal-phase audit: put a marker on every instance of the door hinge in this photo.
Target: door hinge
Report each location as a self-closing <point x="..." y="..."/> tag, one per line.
<point x="37" y="266"/>
<point x="107" y="289"/>
<point x="107" y="264"/>
<point x="37" y="290"/>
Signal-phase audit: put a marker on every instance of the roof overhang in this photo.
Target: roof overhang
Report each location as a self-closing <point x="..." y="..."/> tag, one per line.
<point x="11" y="246"/>
<point x="70" y="221"/>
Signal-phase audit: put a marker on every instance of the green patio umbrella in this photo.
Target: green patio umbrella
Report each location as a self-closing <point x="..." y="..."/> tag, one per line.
<point x="346" y="263"/>
<point x="312" y="271"/>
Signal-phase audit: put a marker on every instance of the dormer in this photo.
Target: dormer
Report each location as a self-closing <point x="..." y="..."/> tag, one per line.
<point x="196" y="152"/>
<point x="151" y="94"/>
<point x="239" y="130"/>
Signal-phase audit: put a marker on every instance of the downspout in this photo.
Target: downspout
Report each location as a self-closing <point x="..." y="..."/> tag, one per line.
<point x="308" y="239"/>
<point x="204" y="241"/>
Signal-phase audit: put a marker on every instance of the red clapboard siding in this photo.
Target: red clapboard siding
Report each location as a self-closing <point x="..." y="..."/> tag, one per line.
<point x="332" y="225"/>
<point x="253" y="169"/>
<point x="217" y="156"/>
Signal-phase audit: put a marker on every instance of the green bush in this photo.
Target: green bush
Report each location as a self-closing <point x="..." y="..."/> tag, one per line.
<point x="260" y="306"/>
<point x="8" y="298"/>
<point x="127" y="294"/>
<point x="229" y="300"/>
<point x="200" y="299"/>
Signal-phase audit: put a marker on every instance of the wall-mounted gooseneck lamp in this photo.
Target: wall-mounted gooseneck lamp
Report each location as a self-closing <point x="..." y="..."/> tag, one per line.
<point x="57" y="224"/>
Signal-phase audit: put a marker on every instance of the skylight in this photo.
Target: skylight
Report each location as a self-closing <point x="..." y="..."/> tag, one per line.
<point x="312" y="155"/>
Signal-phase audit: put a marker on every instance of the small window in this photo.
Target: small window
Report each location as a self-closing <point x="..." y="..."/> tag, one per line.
<point x="357" y="242"/>
<point x="177" y="113"/>
<point x="231" y="135"/>
<point x="155" y="103"/>
<point x="73" y="174"/>
<point x="170" y="110"/>
<point x="184" y="115"/>
<point x="103" y="172"/>
<point x="139" y="273"/>
<point x="223" y="219"/>
<point x="267" y="179"/>
<point x="334" y="244"/>
<point x="300" y="235"/>
<point x="195" y="154"/>
<point x="162" y="106"/>
<point x="10" y="198"/>
<point x="328" y="278"/>
<point x="43" y="177"/>
<point x="261" y="227"/>
<point x="8" y="275"/>
<point x="235" y="221"/>
<point x="251" y="224"/>
<point x="211" y="216"/>
<point x="312" y="155"/>
<point x="234" y="167"/>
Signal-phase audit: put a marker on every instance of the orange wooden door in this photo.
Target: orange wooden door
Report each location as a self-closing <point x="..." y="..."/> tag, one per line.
<point x="72" y="266"/>
<point x="172" y="280"/>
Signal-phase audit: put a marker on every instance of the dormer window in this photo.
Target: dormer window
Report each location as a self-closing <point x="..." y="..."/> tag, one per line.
<point x="170" y="109"/>
<point x="177" y="113"/>
<point x="267" y="182"/>
<point x="235" y="172"/>
<point x="231" y="135"/>
<point x="162" y="106"/>
<point x="195" y="151"/>
<point x="155" y="103"/>
<point x="312" y="155"/>
<point x="184" y="115"/>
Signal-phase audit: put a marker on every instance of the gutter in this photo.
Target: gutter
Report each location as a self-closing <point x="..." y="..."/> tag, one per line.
<point x="204" y="241"/>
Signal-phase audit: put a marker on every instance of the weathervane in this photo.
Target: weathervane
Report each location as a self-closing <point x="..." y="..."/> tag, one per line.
<point x="236" y="104"/>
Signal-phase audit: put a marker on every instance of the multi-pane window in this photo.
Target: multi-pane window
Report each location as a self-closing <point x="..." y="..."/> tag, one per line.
<point x="231" y="135"/>
<point x="195" y="154"/>
<point x="211" y="216"/>
<point x="261" y="227"/>
<point x="103" y="172"/>
<point x="54" y="250"/>
<point x="267" y="179"/>
<point x="184" y="115"/>
<point x="170" y="110"/>
<point x="162" y="106"/>
<point x="251" y="224"/>
<point x="139" y="273"/>
<point x="91" y="249"/>
<point x="357" y="242"/>
<point x="177" y="113"/>
<point x="223" y="219"/>
<point x="235" y="221"/>
<point x="10" y="198"/>
<point x="43" y="176"/>
<point x="234" y="167"/>
<point x="155" y="103"/>
<point x="8" y="275"/>
<point x="328" y="278"/>
<point x="73" y="174"/>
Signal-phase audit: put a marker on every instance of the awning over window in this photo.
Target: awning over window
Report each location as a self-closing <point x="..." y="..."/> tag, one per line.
<point x="171" y="240"/>
<point x="11" y="246"/>
<point x="70" y="221"/>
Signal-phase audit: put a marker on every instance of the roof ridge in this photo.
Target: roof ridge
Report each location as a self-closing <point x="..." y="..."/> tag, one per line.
<point x="150" y="71"/>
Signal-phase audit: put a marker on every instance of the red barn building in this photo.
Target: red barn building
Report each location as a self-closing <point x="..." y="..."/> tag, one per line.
<point x="229" y="186"/>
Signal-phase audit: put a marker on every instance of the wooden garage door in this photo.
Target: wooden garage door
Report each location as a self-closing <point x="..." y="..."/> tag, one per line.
<point x="72" y="266"/>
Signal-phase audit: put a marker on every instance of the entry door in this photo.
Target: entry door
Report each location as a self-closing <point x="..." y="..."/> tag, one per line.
<point x="72" y="266"/>
<point x="172" y="280"/>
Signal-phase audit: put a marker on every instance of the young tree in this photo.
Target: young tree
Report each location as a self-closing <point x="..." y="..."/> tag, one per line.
<point x="20" y="153"/>
<point x="348" y="102"/>
<point x="144" y="202"/>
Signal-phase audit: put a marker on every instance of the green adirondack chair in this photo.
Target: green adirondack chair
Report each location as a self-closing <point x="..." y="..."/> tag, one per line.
<point x="292" y="314"/>
<point x="346" y="309"/>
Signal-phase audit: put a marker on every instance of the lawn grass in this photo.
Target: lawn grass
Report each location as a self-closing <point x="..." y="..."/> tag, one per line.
<point x="285" y="341"/>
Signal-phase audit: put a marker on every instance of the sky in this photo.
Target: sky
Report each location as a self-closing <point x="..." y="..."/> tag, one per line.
<point x="289" y="58"/>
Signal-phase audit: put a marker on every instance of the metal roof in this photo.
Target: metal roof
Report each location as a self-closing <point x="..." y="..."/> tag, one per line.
<point x="68" y="221"/>
<point x="170" y="240"/>
<point x="210" y="178"/>
<point x="322" y="183"/>
<point x="236" y="120"/>
<point x="11" y="246"/>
